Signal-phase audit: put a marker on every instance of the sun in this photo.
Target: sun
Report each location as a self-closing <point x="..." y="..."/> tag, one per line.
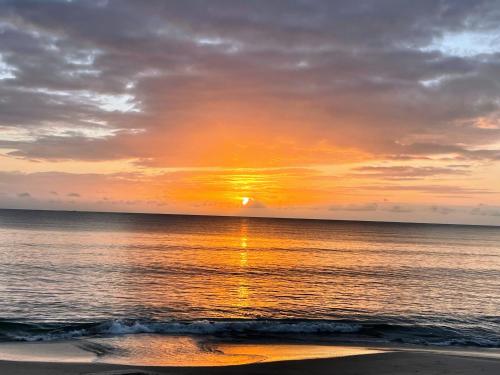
<point x="245" y="201"/>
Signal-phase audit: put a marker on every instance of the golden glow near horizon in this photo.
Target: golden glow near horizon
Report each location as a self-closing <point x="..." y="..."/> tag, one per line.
<point x="350" y="191"/>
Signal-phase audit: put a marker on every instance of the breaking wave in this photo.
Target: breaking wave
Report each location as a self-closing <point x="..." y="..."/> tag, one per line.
<point x="254" y="328"/>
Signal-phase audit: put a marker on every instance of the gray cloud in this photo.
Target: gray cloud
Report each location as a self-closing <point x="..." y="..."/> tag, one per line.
<point x="24" y="195"/>
<point x="447" y="190"/>
<point x="355" y="207"/>
<point x="399" y="209"/>
<point x="485" y="210"/>
<point x="442" y="210"/>
<point x="366" y="75"/>
<point x="407" y="172"/>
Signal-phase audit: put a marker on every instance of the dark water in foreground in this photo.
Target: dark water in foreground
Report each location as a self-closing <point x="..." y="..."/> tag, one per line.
<point x="69" y="275"/>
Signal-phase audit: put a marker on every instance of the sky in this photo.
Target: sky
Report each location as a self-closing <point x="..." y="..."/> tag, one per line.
<point x="363" y="110"/>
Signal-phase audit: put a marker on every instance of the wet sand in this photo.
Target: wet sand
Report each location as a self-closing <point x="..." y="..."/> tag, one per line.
<point x="172" y="351"/>
<point x="388" y="363"/>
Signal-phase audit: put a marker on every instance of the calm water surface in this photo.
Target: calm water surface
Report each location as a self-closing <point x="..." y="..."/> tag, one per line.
<point x="68" y="274"/>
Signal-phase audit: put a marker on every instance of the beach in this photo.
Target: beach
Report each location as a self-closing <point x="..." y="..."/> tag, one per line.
<point x="390" y="363"/>
<point x="80" y="357"/>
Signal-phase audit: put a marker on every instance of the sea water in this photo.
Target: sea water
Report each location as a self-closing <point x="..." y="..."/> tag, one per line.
<point x="75" y="275"/>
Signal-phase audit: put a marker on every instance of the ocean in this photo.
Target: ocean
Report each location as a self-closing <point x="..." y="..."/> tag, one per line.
<point x="74" y="275"/>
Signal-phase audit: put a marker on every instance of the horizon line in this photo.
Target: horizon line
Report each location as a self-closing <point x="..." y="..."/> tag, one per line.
<point x="252" y="217"/>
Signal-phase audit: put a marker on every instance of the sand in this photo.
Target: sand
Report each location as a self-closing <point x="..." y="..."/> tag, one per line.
<point x="388" y="363"/>
<point x="171" y="351"/>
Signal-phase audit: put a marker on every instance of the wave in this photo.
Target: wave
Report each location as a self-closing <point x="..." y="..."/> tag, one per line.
<point x="53" y="331"/>
<point x="254" y="328"/>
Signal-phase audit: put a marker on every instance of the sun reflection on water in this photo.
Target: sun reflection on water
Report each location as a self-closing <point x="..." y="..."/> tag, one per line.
<point x="243" y="289"/>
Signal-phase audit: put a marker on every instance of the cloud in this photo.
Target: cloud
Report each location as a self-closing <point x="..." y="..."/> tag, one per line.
<point x="442" y="210"/>
<point x="417" y="150"/>
<point x="407" y="172"/>
<point x="355" y="207"/>
<point x="399" y="209"/>
<point x="306" y="87"/>
<point x="74" y="195"/>
<point x="484" y="210"/>
<point x="24" y="195"/>
<point x="434" y="189"/>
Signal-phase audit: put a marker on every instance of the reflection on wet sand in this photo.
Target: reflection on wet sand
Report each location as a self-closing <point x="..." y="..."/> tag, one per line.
<point x="164" y="350"/>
